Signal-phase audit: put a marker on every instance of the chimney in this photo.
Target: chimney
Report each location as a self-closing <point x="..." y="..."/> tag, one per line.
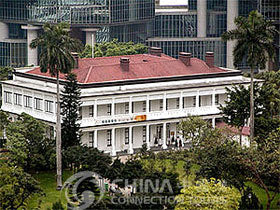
<point x="185" y="58"/>
<point x="124" y="63"/>
<point x="156" y="51"/>
<point x="209" y="59"/>
<point x="76" y="58"/>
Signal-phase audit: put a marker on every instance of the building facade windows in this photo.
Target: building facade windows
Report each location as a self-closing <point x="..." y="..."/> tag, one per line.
<point x="91" y="111"/>
<point x="144" y="134"/>
<point x="161" y="104"/>
<point x="91" y="139"/>
<point x="18" y="99"/>
<point x="109" y="138"/>
<point x="49" y="106"/>
<point x="205" y="100"/>
<point x="38" y="104"/>
<point x="189" y="102"/>
<point x="144" y="105"/>
<point x="7" y="97"/>
<point x="126" y="108"/>
<point x="27" y="101"/>
<point x="109" y="109"/>
<point x="126" y="135"/>
<point x="217" y="100"/>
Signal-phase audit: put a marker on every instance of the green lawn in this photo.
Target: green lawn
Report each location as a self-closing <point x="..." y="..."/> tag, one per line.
<point x="48" y="185"/>
<point x="260" y="193"/>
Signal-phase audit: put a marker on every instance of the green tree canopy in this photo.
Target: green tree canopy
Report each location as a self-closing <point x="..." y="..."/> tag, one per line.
<point x="28" y="145"/>
<point x="114" y="48"/>
<point x="254" y="41"/>
<point x="70" y="105"/>
<point x="236" y="111"/>
<point x="206" y="195"/>
<point x="16" y="187"/>
<point x="221" y="157"/>
<point x="56" y="57"/>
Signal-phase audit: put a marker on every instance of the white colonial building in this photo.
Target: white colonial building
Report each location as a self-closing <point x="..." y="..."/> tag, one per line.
<point x="129" y="101"/>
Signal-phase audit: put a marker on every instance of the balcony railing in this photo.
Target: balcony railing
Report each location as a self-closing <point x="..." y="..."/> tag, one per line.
<point x="157" y="115"/>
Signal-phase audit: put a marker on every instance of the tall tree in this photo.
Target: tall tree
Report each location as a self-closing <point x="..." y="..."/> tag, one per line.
<point x="70" y="106"/>
<point x="255" y="38"/>
<point x="236" y="112"/>
<point x="55" y="58"/>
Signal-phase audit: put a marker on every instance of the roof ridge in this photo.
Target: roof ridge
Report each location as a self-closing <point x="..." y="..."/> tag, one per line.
<point x="114" y="64"/>
<point x="88" y="74"/>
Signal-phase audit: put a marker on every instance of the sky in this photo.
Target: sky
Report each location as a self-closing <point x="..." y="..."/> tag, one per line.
<point x="174" y="2"/>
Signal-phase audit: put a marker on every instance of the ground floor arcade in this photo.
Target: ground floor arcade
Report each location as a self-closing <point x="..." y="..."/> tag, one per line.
<point x="127" y="138"/>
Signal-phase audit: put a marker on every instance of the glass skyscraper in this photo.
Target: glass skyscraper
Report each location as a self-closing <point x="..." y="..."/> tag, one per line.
<point x="198" y="28"/>
<point x="21" y="21"/>
<point x="195" y="28"/>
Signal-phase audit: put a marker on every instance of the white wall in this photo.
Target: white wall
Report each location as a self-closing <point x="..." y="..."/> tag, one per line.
<point x="138" y="106"/>
<point x="189" y="101"/>
<point x="172" y="103"/>
<point x="102" y="141"/>
<point x="102" y="110"/>
<point x="137" y="137"/>
<point x="206" y="100"/>
<point x="155" y="105"/>
<point x="120" y="108"/>
<point x="120" y="140"/>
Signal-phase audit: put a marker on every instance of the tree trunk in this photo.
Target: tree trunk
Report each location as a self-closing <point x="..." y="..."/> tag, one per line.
<point x="268" y="204"/>
<point x="252" y="120"/>
<point x="58" y="137"/>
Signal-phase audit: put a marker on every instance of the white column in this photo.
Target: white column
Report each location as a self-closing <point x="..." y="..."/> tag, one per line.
<point x="164" y="146"/>
<point x="181" y="101"/>
<point x="91" y="37"/>
<point x="4" y="31"/>
<point x="148" y="104"/>
<point x="148" y="137"/>
<point x="213" y="98"/>
<point x="95" y="110"/>
<point x="202" y="18"/>
<point x="232" y="13"/>
<point x="164" y="102"/>
<point x="130" y="105"/>
<point x="114" y="153"/>
<point x="95" y="138"/>
<point x="32" y="54"/>
<point x="130" y="151"/>
<point x="113" y="107"/>
<point x="213" y="122"/>
<point x="197" y="99"/>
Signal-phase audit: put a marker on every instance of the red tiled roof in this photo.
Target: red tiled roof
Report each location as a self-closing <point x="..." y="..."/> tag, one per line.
<point x="245" y="129"/>
<point x="142" y="66"/>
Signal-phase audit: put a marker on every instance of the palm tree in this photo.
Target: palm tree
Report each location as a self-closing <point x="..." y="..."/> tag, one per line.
<point x="254" y="42"/>
<point x="55" y="57"/>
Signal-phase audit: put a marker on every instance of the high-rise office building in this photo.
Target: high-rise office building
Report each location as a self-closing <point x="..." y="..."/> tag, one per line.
<point x="195" y="27"/>
<point x="91" y="21"/>
<point x="198" y="27"/>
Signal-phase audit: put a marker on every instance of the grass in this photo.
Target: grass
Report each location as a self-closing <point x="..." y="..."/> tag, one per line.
<point x="48" y="184"/>
<point x="261" y="195"/>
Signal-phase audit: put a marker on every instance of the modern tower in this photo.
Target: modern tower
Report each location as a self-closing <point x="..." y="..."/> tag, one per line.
<point x="197" y="27"/>
<point x="90" y="20"/>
